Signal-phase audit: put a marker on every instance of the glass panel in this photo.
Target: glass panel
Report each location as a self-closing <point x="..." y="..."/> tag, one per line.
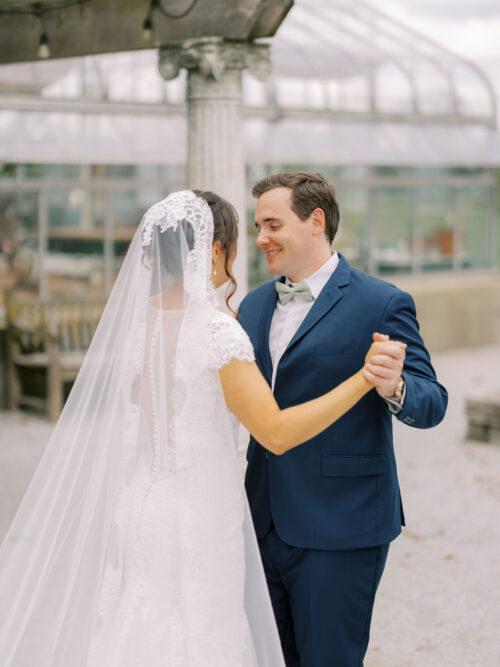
<point x="19" y="261"/>
<point x="352" y="239"/>
<point x="70" y="171"/>
<point x="257" y="263"/>
<point x="74" y="260"/>
<point x="434" y="215"/>
<point x="120" y="170"/>
<point x="127" y="209"/>
<point x="393" y="250"/>
<point x="473" y="227"/>
<point x="7" y="170"/>
<point x="147" y="172"/>
<point x="173" y="177"/>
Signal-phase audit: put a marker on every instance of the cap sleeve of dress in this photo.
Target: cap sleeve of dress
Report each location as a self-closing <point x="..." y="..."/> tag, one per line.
<point x="229" y="340"/>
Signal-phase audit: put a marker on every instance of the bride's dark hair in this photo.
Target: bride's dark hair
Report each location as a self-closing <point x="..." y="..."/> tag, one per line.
<point x="225" y="231"/>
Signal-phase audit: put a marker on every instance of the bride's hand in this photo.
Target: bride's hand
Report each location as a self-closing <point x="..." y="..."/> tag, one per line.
<point x="393" y="350"/>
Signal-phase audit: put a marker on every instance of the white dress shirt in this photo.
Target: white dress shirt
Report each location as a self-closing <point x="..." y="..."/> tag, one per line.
<point x="287" y="318"/>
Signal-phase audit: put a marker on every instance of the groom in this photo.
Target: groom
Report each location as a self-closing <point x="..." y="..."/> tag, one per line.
<point x="325" y="512"/>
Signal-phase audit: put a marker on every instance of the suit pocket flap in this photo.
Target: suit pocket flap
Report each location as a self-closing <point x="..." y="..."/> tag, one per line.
<point x="353" y="466"/>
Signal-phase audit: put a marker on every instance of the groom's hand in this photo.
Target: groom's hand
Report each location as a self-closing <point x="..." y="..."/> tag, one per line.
<point x="384" y="364"/>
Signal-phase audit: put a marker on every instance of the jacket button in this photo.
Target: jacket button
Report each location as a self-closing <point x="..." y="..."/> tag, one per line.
<point x="267" y="455"/>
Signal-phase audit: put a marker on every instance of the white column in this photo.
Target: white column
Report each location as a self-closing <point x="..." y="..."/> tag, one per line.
<point x="216" y="157"/>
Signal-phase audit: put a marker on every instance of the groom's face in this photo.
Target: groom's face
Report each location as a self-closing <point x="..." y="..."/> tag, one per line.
<point x="283" y="237"/>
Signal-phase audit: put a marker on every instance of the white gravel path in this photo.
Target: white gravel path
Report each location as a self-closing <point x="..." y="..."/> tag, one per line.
<point x="439" y="601"/>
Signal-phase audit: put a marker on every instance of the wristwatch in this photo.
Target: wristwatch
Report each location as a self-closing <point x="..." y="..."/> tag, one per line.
<point x="395" y="402"/>
<point x="398" y="394"/>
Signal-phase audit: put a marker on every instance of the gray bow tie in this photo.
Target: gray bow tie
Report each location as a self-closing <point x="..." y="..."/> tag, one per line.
<point x="287" y="292"/>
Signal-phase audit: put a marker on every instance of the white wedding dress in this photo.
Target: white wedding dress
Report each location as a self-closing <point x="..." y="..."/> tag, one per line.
<point x="134" y="545"/>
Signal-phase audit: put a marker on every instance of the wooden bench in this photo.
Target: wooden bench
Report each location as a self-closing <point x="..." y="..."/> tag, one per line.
<point x="46" y="344"/>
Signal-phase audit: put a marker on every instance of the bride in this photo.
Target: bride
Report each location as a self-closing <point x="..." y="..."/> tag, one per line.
<point x="134" y="545"/>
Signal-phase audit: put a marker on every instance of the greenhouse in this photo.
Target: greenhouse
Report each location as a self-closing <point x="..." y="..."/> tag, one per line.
<point x="404" y="129"/>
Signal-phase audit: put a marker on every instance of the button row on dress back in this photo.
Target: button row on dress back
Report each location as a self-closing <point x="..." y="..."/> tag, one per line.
<point x="154" y="400"/>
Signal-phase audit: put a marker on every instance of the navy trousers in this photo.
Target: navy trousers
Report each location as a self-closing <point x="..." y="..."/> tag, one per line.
<point x="322" y="600"/>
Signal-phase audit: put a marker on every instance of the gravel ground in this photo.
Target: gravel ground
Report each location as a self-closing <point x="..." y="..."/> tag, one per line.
<point x="438" y="604"/>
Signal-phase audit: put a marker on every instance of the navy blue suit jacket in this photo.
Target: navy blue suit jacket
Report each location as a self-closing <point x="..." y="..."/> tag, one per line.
<point x="340" y="489"/>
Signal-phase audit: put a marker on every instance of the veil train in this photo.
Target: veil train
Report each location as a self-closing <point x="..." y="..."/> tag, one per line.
<point x="134" y="543"/>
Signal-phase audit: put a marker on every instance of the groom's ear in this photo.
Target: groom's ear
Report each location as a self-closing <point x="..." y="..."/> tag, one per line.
<point x="318" y="219"/>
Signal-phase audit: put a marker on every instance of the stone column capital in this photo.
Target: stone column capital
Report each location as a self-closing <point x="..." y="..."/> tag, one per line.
<point x="211" y="57"/>
<point x="216" y="157"/>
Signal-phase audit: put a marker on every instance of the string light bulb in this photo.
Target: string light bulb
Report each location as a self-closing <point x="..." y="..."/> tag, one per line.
<point x="43" y="47"/>
<point x="38" y="10"/>
<point x="147" y="29"/>
<point x="147" y="24"/>
<point x="43" y="51"/>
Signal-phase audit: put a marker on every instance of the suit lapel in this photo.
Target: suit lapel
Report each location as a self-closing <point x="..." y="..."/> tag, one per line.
<point x="264" y="355"/>
<point x="329" y="296"/>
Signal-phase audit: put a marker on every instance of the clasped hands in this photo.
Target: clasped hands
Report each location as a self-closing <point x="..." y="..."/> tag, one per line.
<point x="384" y="364"/>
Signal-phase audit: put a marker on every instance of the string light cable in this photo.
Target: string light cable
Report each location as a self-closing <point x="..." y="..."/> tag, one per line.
<point x="148" y="25"/>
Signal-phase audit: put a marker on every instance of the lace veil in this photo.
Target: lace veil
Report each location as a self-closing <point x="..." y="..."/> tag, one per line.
<point x="133" y="544"/>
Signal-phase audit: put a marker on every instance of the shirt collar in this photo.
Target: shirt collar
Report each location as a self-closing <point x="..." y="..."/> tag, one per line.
<point x="318" y="280"/>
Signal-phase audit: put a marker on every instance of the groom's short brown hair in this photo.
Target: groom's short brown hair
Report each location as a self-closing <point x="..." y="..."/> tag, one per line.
<point x="309" y="191"/>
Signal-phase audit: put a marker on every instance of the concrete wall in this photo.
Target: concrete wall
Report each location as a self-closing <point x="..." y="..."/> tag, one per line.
<point x="458" y="310"/>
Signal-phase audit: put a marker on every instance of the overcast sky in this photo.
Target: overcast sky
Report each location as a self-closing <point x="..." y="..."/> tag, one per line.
<point x="471" y="27"/>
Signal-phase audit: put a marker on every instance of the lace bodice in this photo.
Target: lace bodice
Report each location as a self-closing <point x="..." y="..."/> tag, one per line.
<point x="229" y="340"/>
